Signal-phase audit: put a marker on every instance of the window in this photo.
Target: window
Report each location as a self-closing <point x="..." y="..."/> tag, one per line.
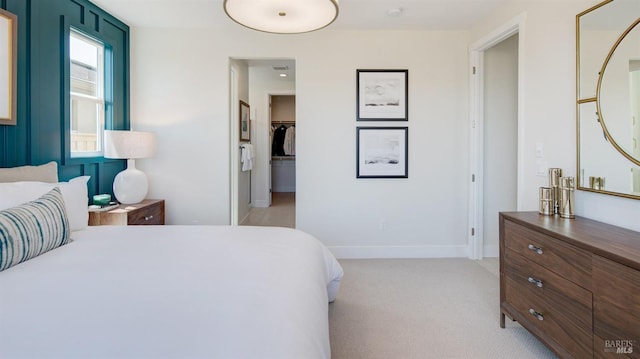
<point x="87" y="95"/>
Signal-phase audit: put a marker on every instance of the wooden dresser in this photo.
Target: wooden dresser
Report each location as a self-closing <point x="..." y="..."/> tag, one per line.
<point x="147" y="212"/>
<point x="573" y="283"/>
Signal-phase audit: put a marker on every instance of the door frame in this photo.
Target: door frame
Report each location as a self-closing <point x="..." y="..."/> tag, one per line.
<point x="268" y="95"/>
<point x="234" y="145"/>
<point x="475" y="240"/>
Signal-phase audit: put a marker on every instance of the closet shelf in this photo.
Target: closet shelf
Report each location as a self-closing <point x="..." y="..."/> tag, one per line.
<point x="283" y="158"/>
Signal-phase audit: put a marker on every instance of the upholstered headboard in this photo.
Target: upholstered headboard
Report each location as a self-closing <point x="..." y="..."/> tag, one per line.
<point x="43" y="173"/>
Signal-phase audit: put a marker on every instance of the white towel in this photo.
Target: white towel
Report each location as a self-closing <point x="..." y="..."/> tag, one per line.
<point x="247" y="155"/>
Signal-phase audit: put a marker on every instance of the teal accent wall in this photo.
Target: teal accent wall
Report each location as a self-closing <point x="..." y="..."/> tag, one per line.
<point x="42" y="131"/>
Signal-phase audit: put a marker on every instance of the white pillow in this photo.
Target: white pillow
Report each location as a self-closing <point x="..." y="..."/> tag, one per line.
<point x="74" y="192"/>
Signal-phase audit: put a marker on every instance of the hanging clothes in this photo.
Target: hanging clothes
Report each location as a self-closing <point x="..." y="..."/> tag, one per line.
<point x="290" y="141"/>
<point x="277" y="147"/>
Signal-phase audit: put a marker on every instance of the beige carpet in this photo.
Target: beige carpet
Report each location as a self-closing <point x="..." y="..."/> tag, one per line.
<point x="424" y="308"/>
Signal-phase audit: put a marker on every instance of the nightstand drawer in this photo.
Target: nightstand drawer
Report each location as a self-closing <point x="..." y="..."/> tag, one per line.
<point x="153" y="214"/>
<point x="147" y="212"/>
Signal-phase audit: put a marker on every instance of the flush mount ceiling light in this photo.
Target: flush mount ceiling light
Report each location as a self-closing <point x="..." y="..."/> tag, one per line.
<point x="282" y="16"/>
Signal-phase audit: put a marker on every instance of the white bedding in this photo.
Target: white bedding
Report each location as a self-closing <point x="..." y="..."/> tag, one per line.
<point x="172" y="291"/>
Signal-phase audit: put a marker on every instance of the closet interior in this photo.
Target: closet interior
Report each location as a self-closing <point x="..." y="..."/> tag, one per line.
<point x="283" y="143"/>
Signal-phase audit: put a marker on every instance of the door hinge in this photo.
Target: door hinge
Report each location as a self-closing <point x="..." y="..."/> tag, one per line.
<point x="474" y="70"/>
<point x="473" y="178"/>
<point x="473" y="231"/>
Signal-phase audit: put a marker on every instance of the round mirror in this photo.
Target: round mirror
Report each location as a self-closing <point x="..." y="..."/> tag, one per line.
<point x="618" y="94"/>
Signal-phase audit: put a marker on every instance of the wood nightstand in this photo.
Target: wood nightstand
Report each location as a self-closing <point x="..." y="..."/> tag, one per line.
<point x="149" y="211"/>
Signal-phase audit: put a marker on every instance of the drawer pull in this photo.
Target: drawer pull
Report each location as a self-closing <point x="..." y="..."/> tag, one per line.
<point x="535" y="249"/>
<point x="148" y="218"/>
<point x="536" y="314"/>
<point x="536" y="282"/>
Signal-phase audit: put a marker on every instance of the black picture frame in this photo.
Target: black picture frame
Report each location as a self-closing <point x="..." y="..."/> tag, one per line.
<point x="382" y="152"/>
<point x="245" y="122"/>
<point x="382" y="95"/>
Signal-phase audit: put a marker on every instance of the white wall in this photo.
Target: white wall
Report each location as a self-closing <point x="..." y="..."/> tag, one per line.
<point x="180" y="90"/>
<point x="422" y="215"/>
<point x="548" y="42"/>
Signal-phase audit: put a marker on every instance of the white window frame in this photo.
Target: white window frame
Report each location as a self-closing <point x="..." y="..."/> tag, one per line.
<point x="97" y="100"/>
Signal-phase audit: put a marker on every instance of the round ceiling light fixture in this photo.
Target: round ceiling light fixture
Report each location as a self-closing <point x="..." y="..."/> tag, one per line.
<point x="282" y="16"/>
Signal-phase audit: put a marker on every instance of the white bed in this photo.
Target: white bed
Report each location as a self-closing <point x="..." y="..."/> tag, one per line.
<point x="171" y="292"/>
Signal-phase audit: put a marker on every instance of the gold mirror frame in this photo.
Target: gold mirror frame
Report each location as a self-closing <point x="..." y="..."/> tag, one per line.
<point x="8" y="76"/>
<point x="596" y="184"/>
<point x="603" y="121"/>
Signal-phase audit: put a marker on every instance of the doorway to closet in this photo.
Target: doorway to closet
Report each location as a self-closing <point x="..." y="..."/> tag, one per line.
<point x="283" y="159"/>
<point x="282" y="194"/>
<point x="496" y="135"/>
<point x="270" y="90"/>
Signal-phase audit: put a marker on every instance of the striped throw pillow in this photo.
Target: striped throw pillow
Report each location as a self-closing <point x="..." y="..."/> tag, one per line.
<point x="33" y="228"/>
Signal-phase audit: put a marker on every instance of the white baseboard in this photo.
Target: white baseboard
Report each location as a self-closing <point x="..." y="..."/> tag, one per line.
<point x="362" y="252"/>
<point x="284" y="189"/>
<point x="261" y="204"/>
<point x="244" y="219"/>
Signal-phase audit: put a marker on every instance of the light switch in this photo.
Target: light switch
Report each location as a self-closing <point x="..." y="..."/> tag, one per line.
<point x="542" y="167"/>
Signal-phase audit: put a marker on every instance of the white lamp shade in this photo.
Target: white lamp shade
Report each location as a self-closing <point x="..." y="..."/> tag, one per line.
<point x="129" y="144"/>
<point x="282" y="16"/>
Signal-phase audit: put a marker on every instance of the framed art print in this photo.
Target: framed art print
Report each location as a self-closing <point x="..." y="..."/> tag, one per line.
<point x="382" y="95"/>
<point x="8" y="67"/>
<point x="382" y="152"/>
<point x="245" y="123"/>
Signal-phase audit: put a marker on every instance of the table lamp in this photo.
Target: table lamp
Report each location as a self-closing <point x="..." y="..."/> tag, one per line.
<point x="130" y="186"/>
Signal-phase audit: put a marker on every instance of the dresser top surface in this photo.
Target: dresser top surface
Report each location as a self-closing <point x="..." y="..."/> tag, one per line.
<point x="606" y="240"/>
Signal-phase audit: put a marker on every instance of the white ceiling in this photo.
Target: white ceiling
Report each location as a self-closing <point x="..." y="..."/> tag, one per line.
<point x="354" y="14"/>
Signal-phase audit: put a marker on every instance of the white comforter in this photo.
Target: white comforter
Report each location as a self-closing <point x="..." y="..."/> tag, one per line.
<point x="172" y="291"/>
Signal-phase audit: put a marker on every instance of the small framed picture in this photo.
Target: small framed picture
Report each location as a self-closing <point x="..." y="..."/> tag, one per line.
<point x="382" y="95"/>
<point x="382" y="152"/>
<point x="245" y="123"/>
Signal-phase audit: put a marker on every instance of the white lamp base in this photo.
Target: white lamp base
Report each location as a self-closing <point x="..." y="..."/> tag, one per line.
<point x="130" y="186"/>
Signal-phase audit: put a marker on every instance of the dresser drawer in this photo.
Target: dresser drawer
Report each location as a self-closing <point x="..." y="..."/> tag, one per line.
<point x="147" y="215"/>
<point x="557" y="309"/>
<point x="577" y="302"/>
<point x="616" y="301"/>
<point x="570" y="262"/>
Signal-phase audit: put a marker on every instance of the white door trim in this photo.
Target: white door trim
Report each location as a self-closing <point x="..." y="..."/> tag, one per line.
<point x="234" y="144"/>
<point x="476" y="140"/>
